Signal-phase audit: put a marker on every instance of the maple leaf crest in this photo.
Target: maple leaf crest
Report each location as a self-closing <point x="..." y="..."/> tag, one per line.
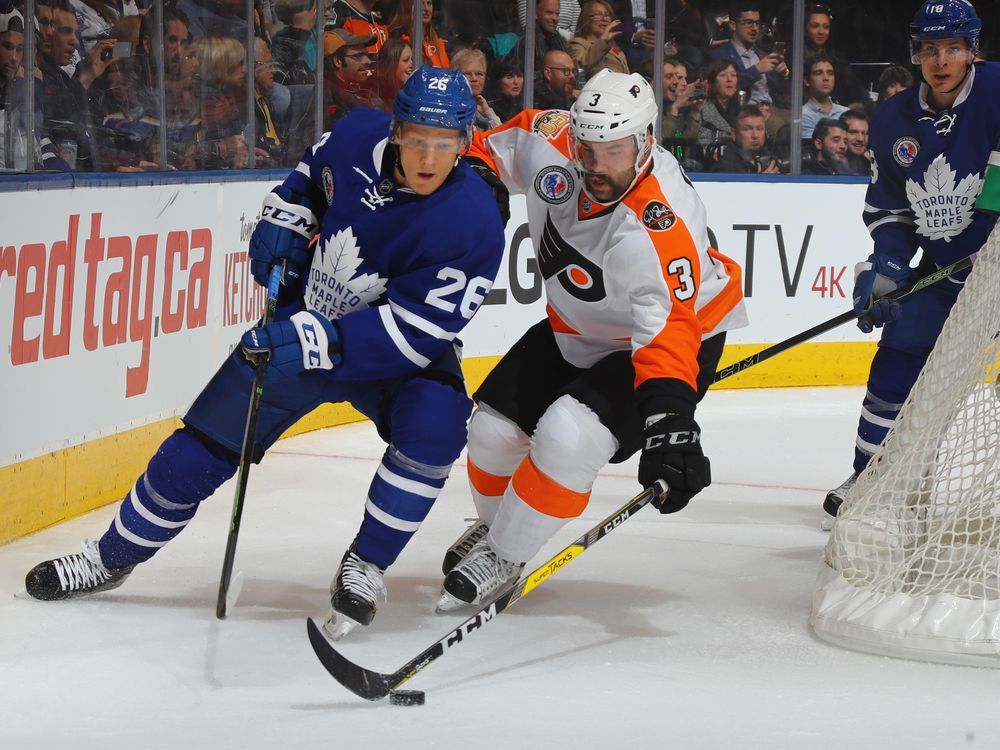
<point x="341" y="259"/>
<point x="943" y="207"/>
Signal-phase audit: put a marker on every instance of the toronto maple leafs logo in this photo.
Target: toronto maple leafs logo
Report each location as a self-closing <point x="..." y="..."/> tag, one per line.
<point x="335" y="287"/>
<point x="943" y="205"/>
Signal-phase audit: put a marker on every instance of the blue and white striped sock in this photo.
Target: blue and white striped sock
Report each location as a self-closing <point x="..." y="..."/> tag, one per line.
<point x="145" y="522"/>
<point x="399" y="498"/>
<point x="877" y="418"/>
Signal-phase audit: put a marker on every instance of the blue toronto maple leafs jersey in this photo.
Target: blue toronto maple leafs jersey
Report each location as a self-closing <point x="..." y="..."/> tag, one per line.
<point x="401" y="274"/>
<point x="929" y="169"/>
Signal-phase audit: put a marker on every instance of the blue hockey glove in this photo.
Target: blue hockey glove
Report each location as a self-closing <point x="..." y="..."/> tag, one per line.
<point x="282" y="236"/>
<point x="306" y="341"/>
<point x="672" y="452"/>
<point x="875" y="278"/>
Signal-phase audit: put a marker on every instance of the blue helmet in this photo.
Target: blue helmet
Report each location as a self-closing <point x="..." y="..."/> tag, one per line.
<point x="437" y="97"/>
<point x="944" y="19"/>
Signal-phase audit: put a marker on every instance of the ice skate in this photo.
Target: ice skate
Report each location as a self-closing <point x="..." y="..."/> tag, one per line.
<point x="477" y="578"/>
<point x="457" y="551"/>
<point x="834" y="499"/>
<point x="354" y="595"/>
<point x="68" y="577"/>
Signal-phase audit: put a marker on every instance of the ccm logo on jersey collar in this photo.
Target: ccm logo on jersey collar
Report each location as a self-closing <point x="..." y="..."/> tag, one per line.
<point x="904" y="151"/>
<point x="658" y="217"/>
<point x="554" y="185"/>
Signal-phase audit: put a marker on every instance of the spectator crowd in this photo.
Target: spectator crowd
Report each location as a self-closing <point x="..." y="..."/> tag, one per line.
<point x="100" y="104"/>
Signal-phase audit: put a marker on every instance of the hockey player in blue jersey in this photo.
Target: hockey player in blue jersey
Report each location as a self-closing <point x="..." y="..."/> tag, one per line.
<point x="931" y="147"/>
<point x="389" y="244"/>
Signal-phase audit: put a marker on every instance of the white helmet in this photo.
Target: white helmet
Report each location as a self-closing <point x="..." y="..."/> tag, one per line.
<point x="612" y="106"/>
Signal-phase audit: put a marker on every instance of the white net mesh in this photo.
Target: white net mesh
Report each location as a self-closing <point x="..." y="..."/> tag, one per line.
<point x="912" y="567"/>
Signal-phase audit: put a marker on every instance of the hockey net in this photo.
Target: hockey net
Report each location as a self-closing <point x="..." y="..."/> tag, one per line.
<point x="912" y="567"/>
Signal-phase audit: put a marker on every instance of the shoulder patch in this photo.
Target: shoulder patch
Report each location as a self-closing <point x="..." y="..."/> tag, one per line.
<point x="658" y="217"/>
<point x="904" y="150"/>
<point x="328" y="187"/>
<point x="554" y="184"/>
<point x="550" y="123"/>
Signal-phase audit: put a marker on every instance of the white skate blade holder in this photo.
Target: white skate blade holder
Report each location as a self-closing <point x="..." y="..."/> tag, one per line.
<point x="448" y="603"/>
<point x="337" y="626"/>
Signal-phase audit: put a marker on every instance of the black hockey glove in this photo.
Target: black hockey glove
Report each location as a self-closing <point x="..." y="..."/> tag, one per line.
<point x="672" y="452"/>
<point x="500" y="192"/>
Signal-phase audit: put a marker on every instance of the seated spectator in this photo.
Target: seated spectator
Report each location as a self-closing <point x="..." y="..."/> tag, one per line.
<point x="762" y="75"/>
<point x="347" y="75"/>
<point x="567" y="15"/>
<point x="819" y="21"/>
<point x="718" y="116"/>
<point x="270" y="148"/>
<point x="859" y="156"/>
<point x="830" y="143"/>
<point x="14" y="136"/>
<point x="595" y="45"/>
<point x="472" y="63"/>
<point x="505" y="87"/>
<point x="122" y="134"/>
<point x="394" y="66"/>
<point x="106" y="19"/>
<point x="893" y="79"/>
<point x="359" y="18"/>
<point x="435" y="50"/>
<point x="294" y="46"/>
<point x="678" y="123"/>
<point x="747" y="154"/>
<point x="220" y="84"/>
<point x="558" y="89"/>
<point x="67" y="111"/>
<point x="819" y="80"/>
<point x="547" y="37"/>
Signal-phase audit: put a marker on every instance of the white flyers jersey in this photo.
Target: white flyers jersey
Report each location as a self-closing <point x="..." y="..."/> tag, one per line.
<point x="636" y="274"/>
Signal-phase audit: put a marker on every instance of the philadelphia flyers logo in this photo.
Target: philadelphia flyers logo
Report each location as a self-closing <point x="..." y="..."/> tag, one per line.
<point x="580" y="277"/>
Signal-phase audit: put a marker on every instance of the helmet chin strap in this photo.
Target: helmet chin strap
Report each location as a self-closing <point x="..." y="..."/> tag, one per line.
<point x="961" y="83"/>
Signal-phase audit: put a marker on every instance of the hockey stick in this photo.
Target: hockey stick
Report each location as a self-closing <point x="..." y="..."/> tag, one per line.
<point x="376" y="685"/>
<point x="229" y="587"/>
<point x="898" y="294"/>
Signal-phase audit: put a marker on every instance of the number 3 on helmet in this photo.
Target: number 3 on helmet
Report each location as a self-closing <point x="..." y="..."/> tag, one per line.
<point x="612" y="106"/>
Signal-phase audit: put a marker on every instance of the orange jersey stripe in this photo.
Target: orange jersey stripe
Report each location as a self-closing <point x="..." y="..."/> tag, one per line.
<point x="673" y="352"/>
<point x="557" y="324"/>
<point x="717" y="309"/>
<point x="552" y="124"/>
<point x="485" y="483"/>
<point x="545" y="494"/>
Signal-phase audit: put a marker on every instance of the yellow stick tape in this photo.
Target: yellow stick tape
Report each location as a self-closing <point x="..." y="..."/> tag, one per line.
<point x="61" y="485"/>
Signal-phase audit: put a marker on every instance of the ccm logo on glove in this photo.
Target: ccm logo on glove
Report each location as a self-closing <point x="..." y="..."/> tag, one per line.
<point x="685" y="437"/>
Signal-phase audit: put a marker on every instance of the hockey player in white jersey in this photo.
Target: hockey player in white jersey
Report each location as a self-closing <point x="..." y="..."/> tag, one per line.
<point x="931" y="147"/>
<point x="638" y="304"/>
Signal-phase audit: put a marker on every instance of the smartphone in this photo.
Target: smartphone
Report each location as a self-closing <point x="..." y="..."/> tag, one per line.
<point x="121" y="49"/>
<point x="779" y="48"/>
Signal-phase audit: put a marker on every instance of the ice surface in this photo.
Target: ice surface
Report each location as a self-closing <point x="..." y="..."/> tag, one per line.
<point x="682" y="631"/>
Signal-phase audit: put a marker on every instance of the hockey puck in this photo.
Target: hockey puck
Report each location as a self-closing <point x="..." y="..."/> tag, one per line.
<point x="406" y="697"/>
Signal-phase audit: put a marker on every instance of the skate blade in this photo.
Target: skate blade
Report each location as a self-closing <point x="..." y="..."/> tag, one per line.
<point x="448" y="603"/>
<point x="337" y="626"/>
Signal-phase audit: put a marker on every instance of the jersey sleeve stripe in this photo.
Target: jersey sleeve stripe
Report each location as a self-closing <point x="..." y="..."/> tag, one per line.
<point x="392" y="328"/>
<point x="546" y="495"/>
<point x="302" y="168"/>
<point x="421" y="324"/>
<point x="872" y="226"/>
<point x="715" y="310"/>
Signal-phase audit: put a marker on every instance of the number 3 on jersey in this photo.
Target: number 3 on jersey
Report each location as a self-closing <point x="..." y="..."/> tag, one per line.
<point x="474" y="296"/>
<point x="681" y="268"/>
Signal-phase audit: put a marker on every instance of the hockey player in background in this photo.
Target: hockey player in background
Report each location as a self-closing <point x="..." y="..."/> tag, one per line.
<point x="409" y="243"/>
<point x="638" y="306"/>
<point x="931" y="146"/>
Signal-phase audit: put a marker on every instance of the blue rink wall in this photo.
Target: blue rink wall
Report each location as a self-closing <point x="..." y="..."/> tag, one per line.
<point x="121" y="294"/>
